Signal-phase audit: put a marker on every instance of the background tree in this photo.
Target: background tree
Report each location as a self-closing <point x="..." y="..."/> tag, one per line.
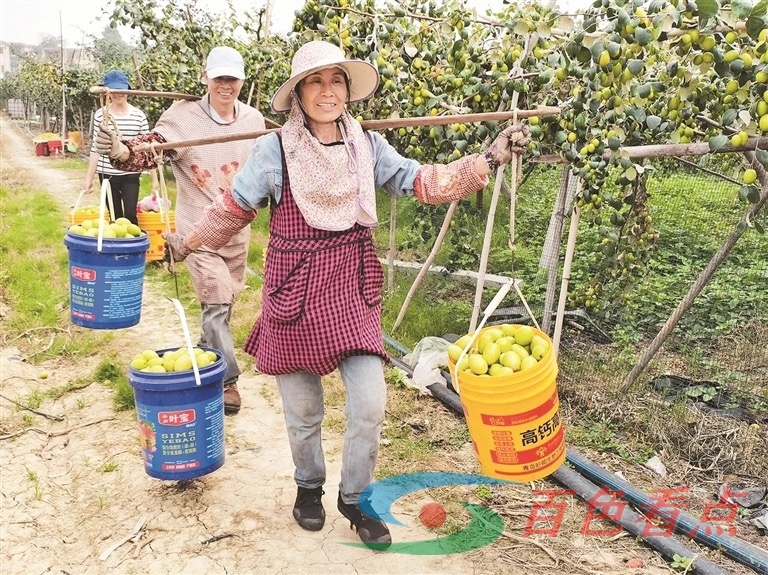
<point x="111" y="51"/>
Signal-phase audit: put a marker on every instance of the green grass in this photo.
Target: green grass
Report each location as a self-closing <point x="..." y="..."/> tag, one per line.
<point x="35" y="280"/>
<point x="111" y="372"/>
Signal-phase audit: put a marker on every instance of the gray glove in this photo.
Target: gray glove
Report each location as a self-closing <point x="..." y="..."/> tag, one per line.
<point x="176" y="249"/>
<point x="512" y="140"/>
<point x="108" y="143"/>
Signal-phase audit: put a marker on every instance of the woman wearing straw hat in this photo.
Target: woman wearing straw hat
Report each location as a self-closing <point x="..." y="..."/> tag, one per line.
<point x="321" y="307"/>
<point x="202" y="173"/>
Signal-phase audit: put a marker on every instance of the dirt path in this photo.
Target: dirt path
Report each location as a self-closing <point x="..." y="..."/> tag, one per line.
<point x="71" y="489"/>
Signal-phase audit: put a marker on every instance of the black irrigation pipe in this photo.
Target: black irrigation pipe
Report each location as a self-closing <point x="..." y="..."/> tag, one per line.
<point x="735" y="548"/>
<point x="634" y="523"/>
<point x="587" y="472"/>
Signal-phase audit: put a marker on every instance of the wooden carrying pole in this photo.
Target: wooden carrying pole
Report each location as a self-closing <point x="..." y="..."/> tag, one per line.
<point x="102" y="91"/>
<point x="389" y="123"/>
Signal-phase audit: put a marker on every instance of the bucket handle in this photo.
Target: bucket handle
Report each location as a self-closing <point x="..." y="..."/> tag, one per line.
<point x="80" y="197"/>
<point x="489" y="309"/>
<point x="187" y="338"/>
<point x="77" y="203"/>
<point x="105" y="197"/>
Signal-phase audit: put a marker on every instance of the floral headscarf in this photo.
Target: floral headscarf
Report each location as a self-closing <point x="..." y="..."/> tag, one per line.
<point x="333" y="186"/>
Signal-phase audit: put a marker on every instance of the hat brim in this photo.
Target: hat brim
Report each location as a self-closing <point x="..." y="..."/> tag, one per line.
<point x="363" y="79"/>
<point x="118" y="86"/>
<point x="220" y="71"/>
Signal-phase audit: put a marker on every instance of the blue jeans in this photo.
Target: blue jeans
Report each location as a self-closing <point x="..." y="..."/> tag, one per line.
<point x="302" y="394"/>
<point x="215" y="333"/>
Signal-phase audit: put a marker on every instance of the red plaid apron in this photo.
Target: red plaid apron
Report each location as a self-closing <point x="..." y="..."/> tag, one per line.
<point x="321" y="300"/>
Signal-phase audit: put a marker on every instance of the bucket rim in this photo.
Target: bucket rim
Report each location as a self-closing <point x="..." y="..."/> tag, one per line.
<point x="211" y="374"/>
<point x="518" y="378"/>
<point x="89" y="244"/>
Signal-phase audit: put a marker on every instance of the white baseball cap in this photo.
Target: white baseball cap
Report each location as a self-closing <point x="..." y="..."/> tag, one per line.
<point x="224" y="61"/>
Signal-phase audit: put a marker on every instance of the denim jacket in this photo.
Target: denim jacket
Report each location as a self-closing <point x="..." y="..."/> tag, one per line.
<point x="262" y="175"/>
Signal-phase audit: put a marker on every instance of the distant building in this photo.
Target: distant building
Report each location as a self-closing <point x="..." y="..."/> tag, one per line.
<point x="12" y="55"/>
<point x="5" y="59"/>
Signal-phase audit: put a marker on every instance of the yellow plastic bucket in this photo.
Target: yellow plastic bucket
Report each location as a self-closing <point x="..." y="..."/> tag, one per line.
<point x="154" y="224"/>
<point x="75" y="138"/>
<point x="514" y="420"/>
<point x="79" y="214"/>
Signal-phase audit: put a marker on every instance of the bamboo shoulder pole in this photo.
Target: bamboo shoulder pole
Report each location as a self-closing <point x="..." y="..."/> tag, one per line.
<point x="101" y="90"/>
<point x="667" y="150"/>
<point x="171" y="95"/>
<point x="389" y="123"/>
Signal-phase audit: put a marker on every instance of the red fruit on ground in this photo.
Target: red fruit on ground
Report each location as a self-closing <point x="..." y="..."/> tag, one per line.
<point x="432" y="515"/>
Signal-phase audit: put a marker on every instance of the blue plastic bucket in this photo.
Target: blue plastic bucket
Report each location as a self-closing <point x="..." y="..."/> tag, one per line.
<point x="181" y="424"/>
<point x="105" y="287"/>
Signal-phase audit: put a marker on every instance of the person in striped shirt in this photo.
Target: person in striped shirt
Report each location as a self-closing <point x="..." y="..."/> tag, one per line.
<point x="132" y="122"/>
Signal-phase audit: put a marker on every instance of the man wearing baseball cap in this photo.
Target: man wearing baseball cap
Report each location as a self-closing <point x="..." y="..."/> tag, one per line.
<point x="224" y="61"/>
<point x="202" y="174"/>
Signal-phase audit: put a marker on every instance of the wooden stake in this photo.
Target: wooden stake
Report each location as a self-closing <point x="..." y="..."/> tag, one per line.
<point x="138" y="73"/>
<point x="427" y="264"/>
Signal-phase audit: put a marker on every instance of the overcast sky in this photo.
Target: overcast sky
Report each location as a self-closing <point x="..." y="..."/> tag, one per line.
<point x="28" y="21"/>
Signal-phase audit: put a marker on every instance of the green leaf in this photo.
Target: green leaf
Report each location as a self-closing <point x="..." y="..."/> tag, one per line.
<point x="622" y="18"/>
<point x="653" y="122"/>
<point x="717" y="142"/>
<point x="707" y="9"/>
<point x="595" y="48"/>
<point x="762" y="157"/>
<point x="644" y="90"/>
<point x="729" y="116"/>
<point x="637" y="113"/>
<point x="741" y="8"/>
<point x="643" y="36"/>
<point x="635" y="66"/>
<point x="743" y="192"/>
<point x="755" y="25"/>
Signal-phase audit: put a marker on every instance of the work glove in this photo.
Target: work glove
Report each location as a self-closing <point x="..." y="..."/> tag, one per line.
<point x="176" y="249"/>
<point x="512" y="140"/>
<point x="108" y="143"/>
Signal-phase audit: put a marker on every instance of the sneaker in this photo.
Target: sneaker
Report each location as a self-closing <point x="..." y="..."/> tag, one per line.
<point x="308" y="509"/>
<point x="372" y="532"/>
<point x="231" y="399"/>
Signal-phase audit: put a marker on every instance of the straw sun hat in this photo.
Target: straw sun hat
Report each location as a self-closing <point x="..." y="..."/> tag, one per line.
<point x="316" y="55"/>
